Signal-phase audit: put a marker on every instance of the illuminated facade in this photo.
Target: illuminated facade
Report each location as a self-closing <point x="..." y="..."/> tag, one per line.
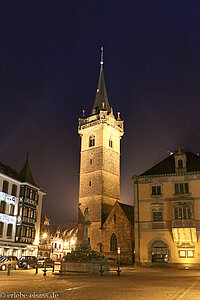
<point x="167" y="211"/>
<point x="56" y="240"/>
<point x="20" y="211"/>
<point x="99" y="188"/>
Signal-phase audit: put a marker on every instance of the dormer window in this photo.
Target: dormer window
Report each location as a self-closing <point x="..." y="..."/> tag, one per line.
<point x="92" y="141"/>
<point x="180" y="164"/>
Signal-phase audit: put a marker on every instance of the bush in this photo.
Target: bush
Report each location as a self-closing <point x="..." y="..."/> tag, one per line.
<point x="82" y="255"/>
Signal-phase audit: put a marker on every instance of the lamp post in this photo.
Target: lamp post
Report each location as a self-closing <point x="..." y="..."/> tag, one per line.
<point x="118" y="261"/>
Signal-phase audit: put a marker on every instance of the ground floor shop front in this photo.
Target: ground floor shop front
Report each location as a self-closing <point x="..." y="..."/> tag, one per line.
<point x="18" y="250"/>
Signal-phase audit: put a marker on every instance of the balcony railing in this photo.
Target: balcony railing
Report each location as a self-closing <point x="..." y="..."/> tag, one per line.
<point x="183" y="223"/>
<point x="155" y="225"/>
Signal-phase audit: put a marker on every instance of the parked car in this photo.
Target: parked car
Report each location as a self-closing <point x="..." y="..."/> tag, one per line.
<point x="8" y="260"/>
<point x="45" y="262"/>
<point x="27" y="262"/>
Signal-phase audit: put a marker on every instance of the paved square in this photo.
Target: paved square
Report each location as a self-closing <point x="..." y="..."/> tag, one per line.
<point x="140" y="283"/>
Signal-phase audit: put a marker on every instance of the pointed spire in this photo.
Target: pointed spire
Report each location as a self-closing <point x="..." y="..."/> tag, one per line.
<point x="25" y="174"/>
<point x="101" y="62"/>
<point x="101" y="100"/>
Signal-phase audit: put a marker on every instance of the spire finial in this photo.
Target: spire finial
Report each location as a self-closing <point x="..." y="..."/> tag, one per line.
<point x="27" y="156"/>
<point x="101" y="62"/>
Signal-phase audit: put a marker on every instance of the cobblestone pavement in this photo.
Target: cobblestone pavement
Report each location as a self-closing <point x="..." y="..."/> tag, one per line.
<point x="141" y="283"/>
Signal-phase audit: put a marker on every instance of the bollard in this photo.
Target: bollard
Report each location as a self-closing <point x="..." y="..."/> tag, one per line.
<point x="61" y="269"/>
<point x="9" y="267"/>
<point x="45" y="272"/>
<point x="101" y="270"/>
<point x="36" y="269"/>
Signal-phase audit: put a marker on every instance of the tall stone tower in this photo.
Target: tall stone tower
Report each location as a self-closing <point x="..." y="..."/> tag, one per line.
<point x="99" y="185"/>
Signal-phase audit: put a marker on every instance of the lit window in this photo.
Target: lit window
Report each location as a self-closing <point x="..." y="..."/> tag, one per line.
<point x="182" y="253"/>
<point x="19" y="210"/>
<point x="155" y="190"/>
<point x="25" y="211"/>
<point x="9" y="230"/>
<point x="113" y="242"/>
<point x="12" y="209"/>
<point x="190" y="253"/>
<point x="181" y="188"/>
<point x="14" y="190"/>
<point x="91" y="141"/>
<point x="5" y="186"/>
<point x="157" y="216"/>
<point x="24" y="231"/>
<point x="29" y="233"/>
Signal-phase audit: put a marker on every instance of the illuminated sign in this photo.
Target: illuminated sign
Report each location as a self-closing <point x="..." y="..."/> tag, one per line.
<point x="7" y="198"/>
<point x="6" y="218"/>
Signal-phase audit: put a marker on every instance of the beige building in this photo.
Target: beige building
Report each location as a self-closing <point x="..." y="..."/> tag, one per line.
<point x="167" y="212"/>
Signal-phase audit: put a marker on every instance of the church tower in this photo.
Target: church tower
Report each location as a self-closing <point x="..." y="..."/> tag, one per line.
<point x="99" y="186"/>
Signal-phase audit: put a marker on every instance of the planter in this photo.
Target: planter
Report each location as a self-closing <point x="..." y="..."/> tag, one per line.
<point x="92" y="267"/>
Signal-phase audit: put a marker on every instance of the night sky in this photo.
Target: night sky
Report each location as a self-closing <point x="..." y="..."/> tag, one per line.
<point x="49" y="68"/>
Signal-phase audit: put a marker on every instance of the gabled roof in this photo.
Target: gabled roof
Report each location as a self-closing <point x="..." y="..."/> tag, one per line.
<point x="167" y="166"/>
<point x="8" y="171"/>
<point x="128" y="211"/>
<point x="26" y="175"/>
<point x="101" y="100"/>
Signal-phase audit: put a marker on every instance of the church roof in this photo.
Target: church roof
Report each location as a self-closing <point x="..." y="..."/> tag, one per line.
<point x="128" y="211"/>
<point x="167" y="166"/>
<point x="101" y="100"/>
<point x="26" y="175"/>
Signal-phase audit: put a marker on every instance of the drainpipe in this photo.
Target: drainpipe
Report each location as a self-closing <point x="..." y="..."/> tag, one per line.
<point x="136" y="220"/>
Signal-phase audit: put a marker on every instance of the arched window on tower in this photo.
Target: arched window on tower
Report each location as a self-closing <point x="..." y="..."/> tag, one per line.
<point x="113" y="242"/>
<point x="110" y="142"/>
<point x="180" y="164"/>
<point x="91" y="141"/>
